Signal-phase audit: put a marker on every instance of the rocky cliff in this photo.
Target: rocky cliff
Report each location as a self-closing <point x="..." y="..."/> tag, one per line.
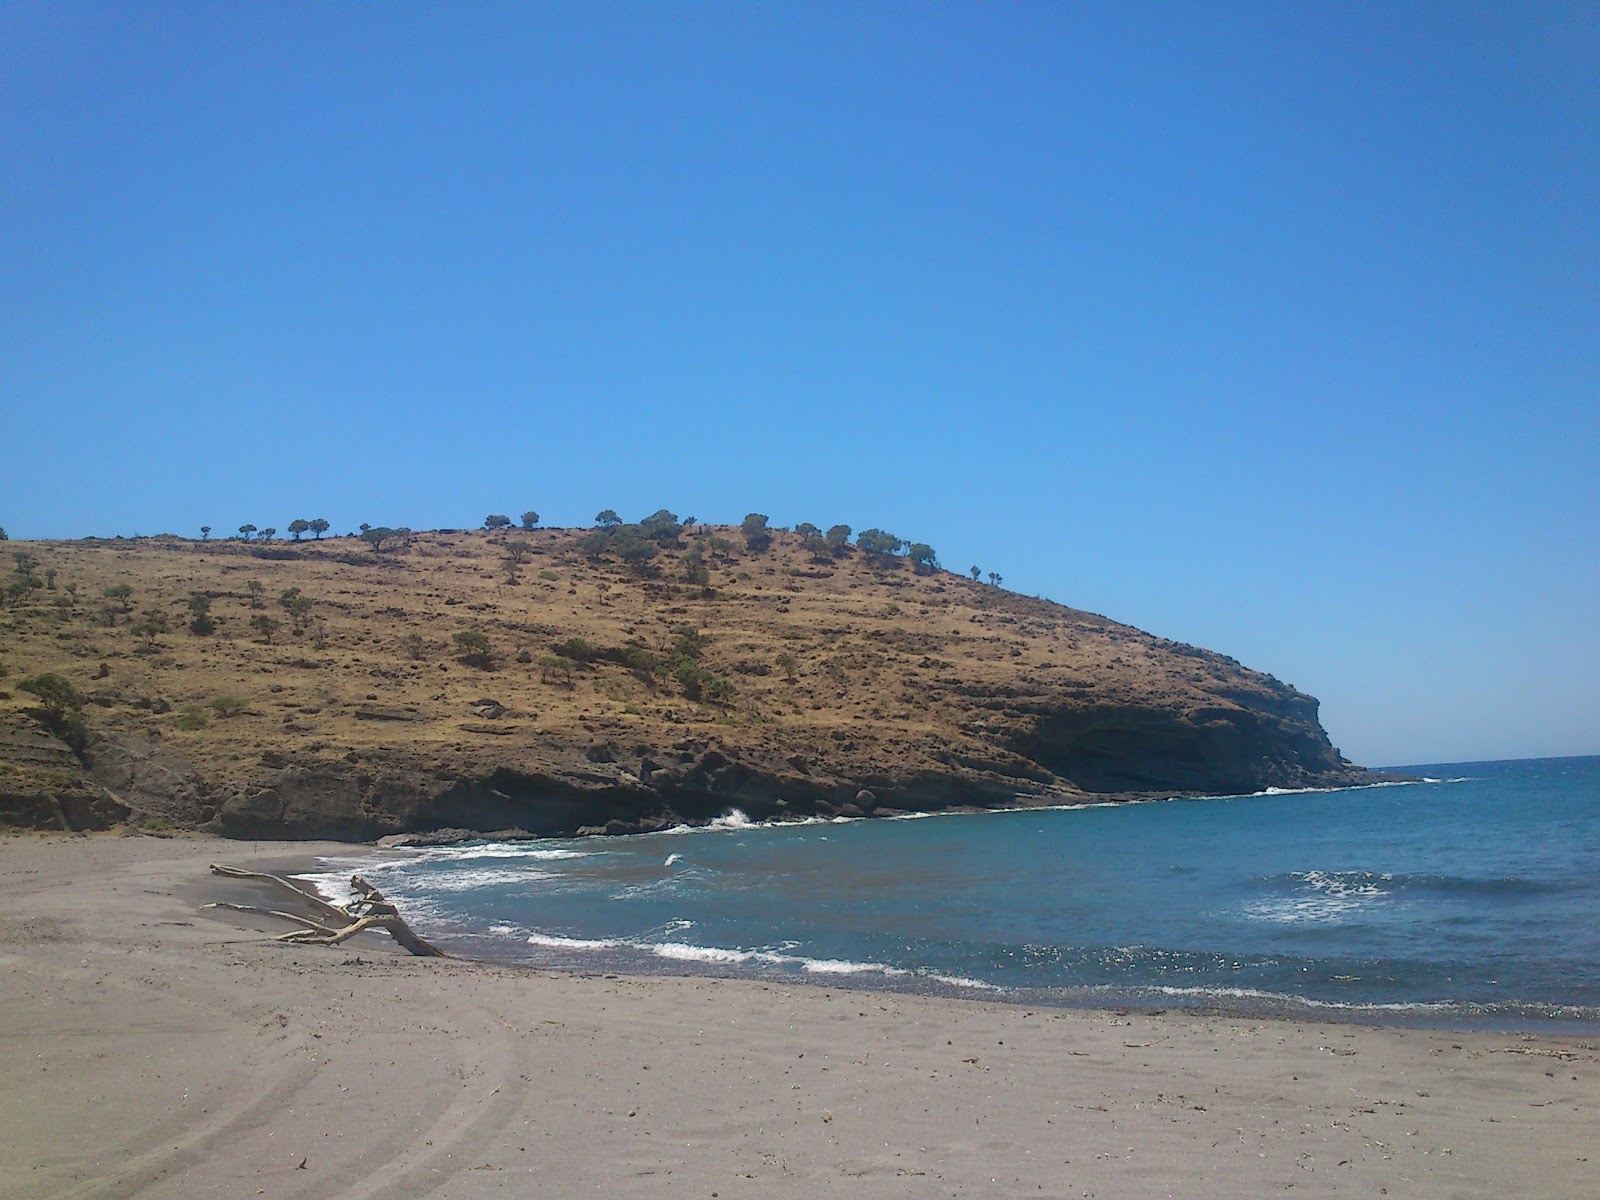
<point x="555" y="683"/>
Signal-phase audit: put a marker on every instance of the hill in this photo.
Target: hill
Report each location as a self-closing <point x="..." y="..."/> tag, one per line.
<point x="555" y="680"/>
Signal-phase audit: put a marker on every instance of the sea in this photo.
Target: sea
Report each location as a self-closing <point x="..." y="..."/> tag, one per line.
<point x="1468" y="899"/>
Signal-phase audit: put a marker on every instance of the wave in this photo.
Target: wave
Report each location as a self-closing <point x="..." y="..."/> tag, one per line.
<point x="725" y="956"/>
<point x="1368" y="884"/>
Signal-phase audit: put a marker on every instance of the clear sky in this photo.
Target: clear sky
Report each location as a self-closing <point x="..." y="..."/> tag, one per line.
<point x="1273" y="328"/>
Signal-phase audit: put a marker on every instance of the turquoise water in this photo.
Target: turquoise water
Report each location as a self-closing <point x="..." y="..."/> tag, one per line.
<point x="1472" y="898"/>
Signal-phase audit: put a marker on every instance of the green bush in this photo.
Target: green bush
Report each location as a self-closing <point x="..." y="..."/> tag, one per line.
<point x="60" y="707"/>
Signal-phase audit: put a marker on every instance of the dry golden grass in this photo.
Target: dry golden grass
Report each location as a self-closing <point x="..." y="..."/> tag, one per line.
<point x="893" y="670"/>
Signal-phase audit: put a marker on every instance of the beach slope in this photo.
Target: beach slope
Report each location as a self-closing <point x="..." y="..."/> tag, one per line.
<point x="152" y="1049"/>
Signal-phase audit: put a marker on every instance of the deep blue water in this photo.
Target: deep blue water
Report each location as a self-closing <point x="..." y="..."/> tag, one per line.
<point x="1474" y="899"/>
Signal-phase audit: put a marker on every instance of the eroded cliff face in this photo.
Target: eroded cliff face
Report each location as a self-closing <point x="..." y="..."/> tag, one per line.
<point x="816" y="684"/>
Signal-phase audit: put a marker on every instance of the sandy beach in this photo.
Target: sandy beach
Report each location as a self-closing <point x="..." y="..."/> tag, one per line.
<point x="152" y="1048"/>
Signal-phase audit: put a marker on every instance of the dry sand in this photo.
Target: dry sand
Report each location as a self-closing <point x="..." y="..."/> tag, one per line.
<point x="151" y="1049"/>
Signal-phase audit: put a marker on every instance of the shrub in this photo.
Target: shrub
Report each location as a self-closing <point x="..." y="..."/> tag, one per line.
<point x="576" y="649"/>
<point x="701" y="684"/>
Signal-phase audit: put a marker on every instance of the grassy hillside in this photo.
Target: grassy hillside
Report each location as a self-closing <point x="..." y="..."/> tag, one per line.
<point x="567" y="655"/>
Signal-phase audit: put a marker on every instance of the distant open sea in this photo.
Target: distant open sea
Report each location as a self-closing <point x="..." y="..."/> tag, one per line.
<point x="1472" y="899"/>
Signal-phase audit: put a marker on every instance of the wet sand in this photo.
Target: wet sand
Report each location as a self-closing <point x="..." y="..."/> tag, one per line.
<point x="152" y="1048"/>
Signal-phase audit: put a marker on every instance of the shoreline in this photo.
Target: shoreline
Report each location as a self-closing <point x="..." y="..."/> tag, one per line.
<point x="506" y="945"/>
<point x="160" y="1050"/>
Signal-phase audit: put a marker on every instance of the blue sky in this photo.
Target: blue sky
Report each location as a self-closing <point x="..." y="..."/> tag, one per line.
<point x="1273" y="328"/>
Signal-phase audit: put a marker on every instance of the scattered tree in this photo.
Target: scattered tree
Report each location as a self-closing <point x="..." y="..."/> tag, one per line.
<point x="298" y="526"/>
<point x="265" y="625"/>
<point x="976" y="571"/>
<point x="694" y="567"/>
<point x="18" y="589"/>
<point x="786" y="662"/>
<point x="154" y="624"/>
<point x="415" y="645"/>
<point x="376" y="537"/>
<point x="661" y="527"/>
<point x="50" y="578"/>
<point x="245" y="531"/>
<point x="496" y="521"/>
<point x="553" y="668"/>
<point x="200" y="621"/>
<point x="268" y="534"/>
<point x="879" y="542"/>
<point x="256" y="590"/>
<point x="806" y="529"/>
<point x="228" y="705"/>
<point x="4" y="536"/>
<point x="607" y="518"/>
<point x="297" y="606"/>
<point x="922" y="557"/>
<point x="475" y="649"/>
<point x="319" y="526"/>
<point x="635" y="551"/>
<point x="205" y="533"/>
<point x="995" y="578"/>
<point x="756" y="534"/>
<point x="838" y="538"/>
<point x="518" y="551"/>
<point x="60" y="707"/>
<point x="530" y="519"/>
<point x="122" y="594"/>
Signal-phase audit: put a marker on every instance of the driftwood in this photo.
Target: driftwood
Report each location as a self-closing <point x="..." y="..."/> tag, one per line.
<point x="369" y="910"/>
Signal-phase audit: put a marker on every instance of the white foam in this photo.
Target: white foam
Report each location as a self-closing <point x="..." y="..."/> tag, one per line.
<point x="471" y="881"/>
<point x="838" y="966"/>
<point x="672" y="858"/>
<point x="963" y="981"/>
<point x="687" y="953"/>
<point x="1243" y="993"/>
<point x="565" y="943"/>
